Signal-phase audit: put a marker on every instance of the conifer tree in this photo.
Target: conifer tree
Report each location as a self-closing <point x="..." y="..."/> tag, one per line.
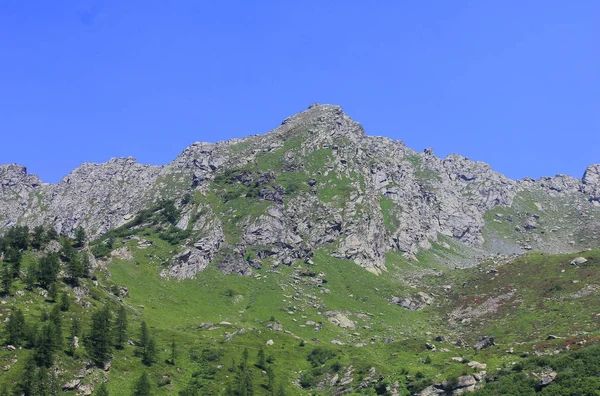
<point x="80" y="237"/>
<point x="31" y="273"/>
<point x="56" y="319"/>
<point x="38" y="240"/>
<point x="121" y="328"/>
<point x="149" y="352"/>
<point x="15" y="328"/>
<point x="65" y="302"/>
<point x="7" y="279"/>
<point x="52" y="291"/>
<point x="44" y="345"/>
<point x="27" y="383"/>
<point x="142" y="386"/>
<point x="99" y="340"/>
<point x="74" y="336"/>
<point x="173" y="352"/>
<point x="75" y="269"/>
<point x="48" y="269"/>
<point x="86" y="266"/>
<point x="244" y="377"/>
<point x="261" y="363"/>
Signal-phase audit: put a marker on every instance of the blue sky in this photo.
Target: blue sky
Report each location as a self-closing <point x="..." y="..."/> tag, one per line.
<point x="512" y="83"/>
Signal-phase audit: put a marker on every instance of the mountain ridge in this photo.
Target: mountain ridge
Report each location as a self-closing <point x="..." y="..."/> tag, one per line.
<point x="316" y="180"/>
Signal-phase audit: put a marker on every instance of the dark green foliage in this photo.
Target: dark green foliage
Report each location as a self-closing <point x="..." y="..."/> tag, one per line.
<point x="102" y="390"/>
<point x="51" y="235"/>
<point x="169" y="211"/>
<point x="147" y="345"/>
<point x="306" y="380"/>
<point x="120" y="328"/>
<point x="45" y="345"/>
<point x="75" y="334"/>
<point x="52" y="291"/>
<point x="56" y="319"/>
<point x="65" y="302"/>
<point x="14" y="257"/>
<point x="80" y="237"/>
<point x="99" y="339"/>
<point x="48" y="268"/>
<point x="27" y="383"/>
<point x="174" y="235"/>
<point x="75" y="268"/>
<point x="260" y="359"/>
<point x="144" y="334"/>
<point x="18" y="237"/>
<point x="7" y="278"/>
<point x="577" y="374"/>
<point x="31" y="274"/>
<point x="67" y="251"/>
<point x="173" y="352"/>
<point x="244" y="377"/>
<point x="149" y="352"/>
<point x="142" y="386"/>
<point x="86" y="266"/>
<point x="319" y="355"/>
<point x="15" y="328"/>
<point x="270" y="380"/>
<point x="39" y="238"/>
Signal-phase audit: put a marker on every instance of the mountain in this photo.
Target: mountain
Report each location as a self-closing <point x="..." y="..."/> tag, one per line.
<point x="317" y="180"/>
<point x="313" y="259"/>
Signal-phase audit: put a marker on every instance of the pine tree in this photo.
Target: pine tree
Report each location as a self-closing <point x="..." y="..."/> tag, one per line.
<point x="144" y="335"/>
<point x="15" y="328"/>
<point x="80" y="237"/>
<point x="44" y="346"/>
<point x="14" y="257"/>
<point x="244" y="377"/>
<point x="31" y="274"/>
<point x="56" y="319"/>
<point x="65" y="302"/>
<point x="102" y="390"/>
<point x="173" y="352"/>
<point x="48" y="269"/>
<point x="7" y="279"/>
<point x="67" y="252"/>
<point x="74" y="336"/>
<point x="51" y="235"/>
<point x="261" y="363"/>
<point x="121" y="328"/>
<point x="86" y="266"/>
<point x="27" y="383"/>
<point x="99" y="340"/>
<point x="52" y="291"/>
<point x="38" y="240"/>
<point x="271" y="380"/>
<point x="75" y="269"/>
<point x="149" y="352"/>
<point x="142" y="386"/>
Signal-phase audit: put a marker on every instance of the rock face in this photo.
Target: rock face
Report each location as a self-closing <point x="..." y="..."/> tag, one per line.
<point x="317" y="180"/>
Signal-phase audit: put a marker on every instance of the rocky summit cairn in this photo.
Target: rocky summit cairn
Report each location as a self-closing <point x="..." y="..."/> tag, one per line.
<point x="316" y="180"/>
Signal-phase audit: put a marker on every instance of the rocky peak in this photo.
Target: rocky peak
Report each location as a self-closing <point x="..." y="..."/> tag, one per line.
<point x="16" y="175"/>
<point x="315" y="181"/>
<point x="591" y="183"/>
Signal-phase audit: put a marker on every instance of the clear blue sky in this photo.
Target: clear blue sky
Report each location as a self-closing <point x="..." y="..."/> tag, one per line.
<point x="512" y="83"/>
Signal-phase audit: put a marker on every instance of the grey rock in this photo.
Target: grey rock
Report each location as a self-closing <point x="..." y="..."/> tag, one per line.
<point x="483" y="343"/>
<point x="414" y="303"/>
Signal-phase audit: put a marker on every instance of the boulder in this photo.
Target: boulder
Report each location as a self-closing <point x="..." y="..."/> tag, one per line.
<point x="483" y="343"/>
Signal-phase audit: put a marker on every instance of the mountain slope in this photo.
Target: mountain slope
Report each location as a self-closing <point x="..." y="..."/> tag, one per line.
<point x="317" y="181"/>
